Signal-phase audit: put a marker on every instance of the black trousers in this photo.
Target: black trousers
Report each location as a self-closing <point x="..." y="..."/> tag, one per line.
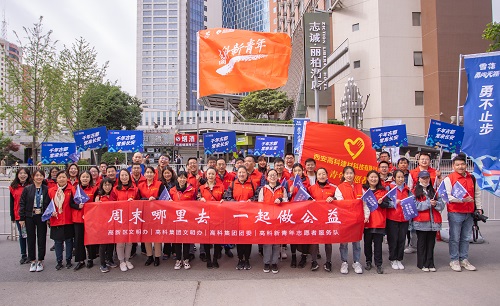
<point x="217" y="251"/>
<point x="396" y="235"/>
<point x="35" y="228"/>
<point x="376" y="251"/>
<point x="244" y="251"/>
<point x="168" y="249"/>
<point x="106" y="253"/>
<point x="92" y="251"/>
<point x="80" y="254"/>
<point x="182" y="250"/>
<point x="425" y="249"/>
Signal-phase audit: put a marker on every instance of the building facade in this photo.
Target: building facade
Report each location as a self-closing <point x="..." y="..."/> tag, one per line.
<point x="252" y="15"/>
<point x="8" y="51"/>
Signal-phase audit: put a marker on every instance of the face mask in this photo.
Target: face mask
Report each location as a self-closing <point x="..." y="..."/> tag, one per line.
<point x="425" y="185"/>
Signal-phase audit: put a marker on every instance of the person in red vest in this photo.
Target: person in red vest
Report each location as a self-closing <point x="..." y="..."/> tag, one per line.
<point x="262" y="165"/>
<point x="253" y="174"/>
<point x="292" y="192"/>
<point x="385" y="175"/>
<point x="151" y="189"/>
<point x="96" y="179"/>
<point x="323" y="190"/>
<point x="168" y="179"/>
<point x="111" y="174"/>
<point x="289" y="162"/>
<point x="61" y="223"/>
<point x="375" y="227"/>
<point x="240" y="161"/>
<point x="242" y="190"/>
<point x="385" y="156"/>
<point x="273" y="193"/>
<point x="136" y="173"/>
<point x="182" y="191"/>
<point x="73" y="172"/>
<point x="310" y="171"/>
<point x="163" y="163"/>
<point x="51" y="180"/>
<point x="396" y="225"/>
<point x="348" y="190"/>
<point x="195" y="175"/>
<point x="103" y="167"/>
<point x="106" y="251"/>
<point x="428" y="221"/>
<point x="124" y="191"/>
<point x="22" y="179"/>
<point x="223" y="176"/>
<point x="211" y="191"/>
<point x="461" y="213"/>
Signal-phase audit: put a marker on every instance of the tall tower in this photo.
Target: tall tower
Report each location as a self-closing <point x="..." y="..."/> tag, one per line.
<point x="246" y="15"/>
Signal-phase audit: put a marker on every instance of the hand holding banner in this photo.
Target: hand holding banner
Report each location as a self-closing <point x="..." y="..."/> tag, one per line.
<point x="458" y="191"/>
<point x="441" y="191"/>
<point x="80" y="196"/>
<point x="165" y="196"/>
<point x="49" y="211"/>
<point x="370" y="200"/>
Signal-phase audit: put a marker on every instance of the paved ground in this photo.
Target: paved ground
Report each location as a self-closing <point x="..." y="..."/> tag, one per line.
<point x="199" y="286"/>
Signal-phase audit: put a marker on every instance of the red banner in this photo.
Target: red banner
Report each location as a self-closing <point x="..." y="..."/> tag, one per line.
<point x="185" y="140"/>
<point x="345" y="147"/>
<point x="229" y="222"/>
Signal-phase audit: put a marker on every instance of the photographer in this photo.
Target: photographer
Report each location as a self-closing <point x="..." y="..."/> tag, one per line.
<point x="461" y="213"/>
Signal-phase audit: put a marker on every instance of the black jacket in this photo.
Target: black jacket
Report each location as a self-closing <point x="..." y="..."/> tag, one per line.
<point x="28" y="200"/>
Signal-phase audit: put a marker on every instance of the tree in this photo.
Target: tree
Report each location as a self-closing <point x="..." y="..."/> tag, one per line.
<point x="80" y="68"/>
<point x="267" y="101"/>
<point x="32" y="91"/>
<point x="492" y="33"/>
<point x="7" y="145"/>
<point x="107" y="105"/>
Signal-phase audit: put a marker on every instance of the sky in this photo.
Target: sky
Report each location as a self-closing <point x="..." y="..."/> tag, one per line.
<point x="108" y="25"/>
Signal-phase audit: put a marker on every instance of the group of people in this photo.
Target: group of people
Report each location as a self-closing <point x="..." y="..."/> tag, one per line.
<point x="251" y="180"/>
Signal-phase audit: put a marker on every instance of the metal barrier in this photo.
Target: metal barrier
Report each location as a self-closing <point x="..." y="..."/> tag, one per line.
<point x="7" y="228"/>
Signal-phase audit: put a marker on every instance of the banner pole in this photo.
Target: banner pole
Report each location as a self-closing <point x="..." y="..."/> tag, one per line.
<point x="459" y="87"/>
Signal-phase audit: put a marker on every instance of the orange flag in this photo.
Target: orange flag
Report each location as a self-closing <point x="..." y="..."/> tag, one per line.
<point x="344" y="146"/>
<point x="235" y="61"/>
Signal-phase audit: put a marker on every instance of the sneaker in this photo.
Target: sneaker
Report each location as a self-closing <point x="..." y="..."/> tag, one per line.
<point x="104" y="269"/>
<point x="410" y="250"/>
<point x="455" y="266"/>
<point x="368" y="266"/>
<point x="358" y="269"/>
<point x="344" y="268"/>
<point x="467" y="265"/>
<point x="283" y="255"/>
<point x="39" y="266"/>
<point x="425" y="269"/>
<point x="210" y="265"/>
<point x="178" y="265"/>
<point x="165" y="257"/>
<point x="432" y="269"/>
<point x="203" y="257"/>
<point x="394" y="265"/>
<point x="240" y="265"/>
<point x="130" y="266"/>
<point x="247" y="265"/>
<point x="275" y="268"/>
<point x="267" y="268"/>
<point x="187" y="266"/>
<point x="328" y="266"/>
<point x="59" y="266"/>
<point x="216" y="264"/>
<point x="400" y="265"/>
<point x="111" y="264"/>
<point x="303" y="261"/>
<point x="293" y="264"/>
<point x="23" y="260"/>
<point x="69" y="265"/>
<point x="33" y="266"/>
<point x="123" y="267"/>
<point x="380" y="270"/>
<point x="314" y="266"/>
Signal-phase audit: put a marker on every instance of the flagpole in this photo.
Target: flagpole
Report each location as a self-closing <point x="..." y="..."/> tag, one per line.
<point x="459" y="86"/>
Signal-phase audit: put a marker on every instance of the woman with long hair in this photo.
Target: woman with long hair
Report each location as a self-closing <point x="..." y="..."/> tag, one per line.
<point x="103" y="195"/>
<point x="73" y="172"/>
<point x="51" y="179"/>
<point x="22" y="179"/>
<point x="96" y="178"/>
<point x="168" y="178"/>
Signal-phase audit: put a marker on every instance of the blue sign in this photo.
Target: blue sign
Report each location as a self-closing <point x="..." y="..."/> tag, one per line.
<point x="482" y="118"/>
<point x="57" y="152"/>
<point x="409" y="208"/>
<point x="91" y="139"/>
<point x="298" y="133"/>
<point x="446" y="135"/>
<point x="222" y="142"/>
<point x="269" y="146"/>
<point x="125" y="141"/>
<point x="389" y="136"/>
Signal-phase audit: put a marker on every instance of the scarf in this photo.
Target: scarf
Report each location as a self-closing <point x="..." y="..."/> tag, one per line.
<point x="59" y="199"/>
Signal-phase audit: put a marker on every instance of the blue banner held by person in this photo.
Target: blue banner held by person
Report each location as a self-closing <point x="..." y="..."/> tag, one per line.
<point x="458" y="191"/>
<point x="409" y="208"/>
<point x="302" y="194"/>
<point x="392" y="194"/>
<point x="298" y="133"/>
<point x="446" y="135"/>
<point x="57" y="152"/>
<point x="49" y="211"/>
<point x="482" y="118"/>
<point x="80" y="196"/>
<point x="389" y="136"/>
<point x="370" y="200"/>
<point x="165" y="196"/>
<point x="125" y="141"/>
<point x="219" y="143"/>
<point x="91" y="139"/>
<point x="269" y="146"/>
<point x="441" y="191"/>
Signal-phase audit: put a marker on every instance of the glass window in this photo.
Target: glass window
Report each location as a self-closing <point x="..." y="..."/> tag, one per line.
<point x="159" y="26"/>
<point x="419" y="98"/>
<point x="146" y="19"/>
<point x="160" y="59"/>
<point x="146" y="80"/>
<point x="159" y="46"/>
<point x="146" y="53"/>
<point x="146" y="26"/>
<point x="160" y="13"/>
<point x="172" y="39"/>
<point x="146" y="39"/>
<point x="146" y="6"/>
<point x="172" y="13"/>
<point x="172" y="66"/>
<point x="160" y="32"/>
<point x="418" y="59"/>
<point x="172" y="32"/>
<point x="172" y="59"/>
<point x="415" y="16"/>
<point x="160" y="87"/>
<point x="160" y="39"/>
<point x="159" y="94"/>
<point x="172" y="26"/>
<point x="355" y="27"/>
<point x="146" y="66"/>
<point x="171" y="93"/>
<point x="173" y="19"/>
<point x="146" y="59"/>
<point x="172" y="87"/>
<point x="146" y="87"/>
<point x="172" y="73"/>
<point x="357" y="64"/>
<point x="160" y="66"/>
<point x="172" y="6"/>
<point x="159" y="80"/>
<point x="146" y="73"/>
<point x="146" y="13"/>
<point x="160" y="52"/>
<point x="146" y="46"/>
<point x="159" y="19"/>
<point x="146" y="94"/>
<point x="160" y="6"/>
<point x="159" y="73"/>
<point x="172" y="46"/>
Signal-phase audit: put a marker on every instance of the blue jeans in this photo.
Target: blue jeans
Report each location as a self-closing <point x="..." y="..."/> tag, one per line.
<point x="59" y="249"/>
<point x="356" y="251"/>
<point x="460" y="233"/>
<point x="22" y="241"/>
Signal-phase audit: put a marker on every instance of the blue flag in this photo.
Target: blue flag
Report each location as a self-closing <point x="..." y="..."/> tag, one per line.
<point x="165" y="196"/>
<point x="80" y="196"/>
<point x="302" y="195"/>
<point x="442" y="192"/>
<point x="409" y="208"/>
<point x="370" y="200"/>
<point x="48" y="212"/>
<point x="458" y="191"/>
<point x="393" y="195"/>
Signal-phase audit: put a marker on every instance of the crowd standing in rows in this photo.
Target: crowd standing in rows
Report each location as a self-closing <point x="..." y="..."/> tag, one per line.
<point x="252" y="180"/>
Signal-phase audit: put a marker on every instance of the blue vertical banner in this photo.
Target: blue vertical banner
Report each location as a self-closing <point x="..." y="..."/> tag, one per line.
<point x="57" y="152"/>
<point x="446" y="135"/>
<point x="482" y="118"/>
<point x="389" y="136"/>
<point x="125" y="141"/>
<point x="298" y="133"/>
<point x="90" y="139"/>
<point x="269" y="146"/>
<point x="218" y="143"/>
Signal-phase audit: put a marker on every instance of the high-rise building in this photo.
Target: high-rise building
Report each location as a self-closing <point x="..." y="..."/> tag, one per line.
<point x="252" y="15"/>
<point x="166" y="52"/>
<point x="8" y="51"/>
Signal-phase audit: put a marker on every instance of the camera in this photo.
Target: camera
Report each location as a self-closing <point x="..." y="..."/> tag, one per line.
<point x="480" y="217"/>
